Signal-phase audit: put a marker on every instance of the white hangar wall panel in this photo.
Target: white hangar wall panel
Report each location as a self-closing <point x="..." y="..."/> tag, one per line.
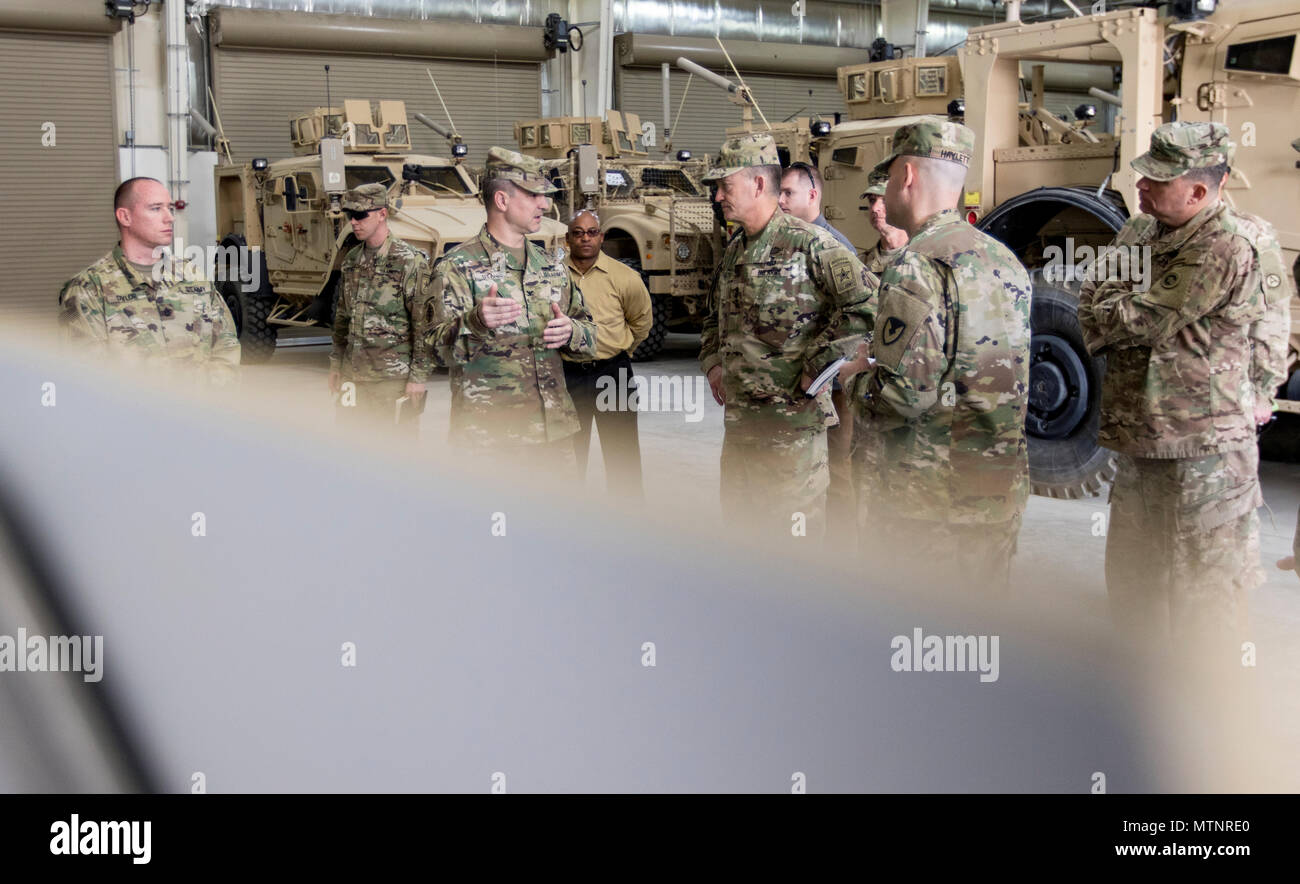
<point x="258" y="90"/>
<point x="60" y="164"/>
<point x="708" y="112"/>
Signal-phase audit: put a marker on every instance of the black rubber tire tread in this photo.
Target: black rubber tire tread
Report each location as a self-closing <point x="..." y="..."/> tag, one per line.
<point x="654" y="343"/>
<point x="660" y="309"/>
<point x="1076" y="466"/>
<point x="250" y="310"/>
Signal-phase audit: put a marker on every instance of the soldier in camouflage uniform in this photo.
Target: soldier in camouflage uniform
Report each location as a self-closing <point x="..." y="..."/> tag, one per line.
<point x="507" y="309"/>
<point x="138" y="304"/>
<point x="787" y="301"/>
<point x="1189" y="358"/>
<point x="892" y="239"/>
<point x="866" y="446"/>
<point x="947" y="394"/>
<point x="379" y="338"/>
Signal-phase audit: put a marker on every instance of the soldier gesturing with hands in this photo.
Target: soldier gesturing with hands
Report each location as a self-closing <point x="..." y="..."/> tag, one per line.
<point x="506" y="309"/>
<point x="496" y="312"/>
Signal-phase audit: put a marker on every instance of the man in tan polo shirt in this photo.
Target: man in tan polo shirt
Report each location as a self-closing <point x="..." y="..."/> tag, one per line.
<point x="620" y="305"/>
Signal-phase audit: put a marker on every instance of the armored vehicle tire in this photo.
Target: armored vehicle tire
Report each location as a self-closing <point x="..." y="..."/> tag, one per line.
<point x="660" y="309"/>
<point x="1065" y="460"/>
<point x="652" y="345"/>
<point x="250" y="309"/>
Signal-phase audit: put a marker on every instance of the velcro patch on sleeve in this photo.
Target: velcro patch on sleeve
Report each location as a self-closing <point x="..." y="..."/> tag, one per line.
<point x="843" y="274"/>
<point x="901" y="318"/>
<point x="1274" y="276"/>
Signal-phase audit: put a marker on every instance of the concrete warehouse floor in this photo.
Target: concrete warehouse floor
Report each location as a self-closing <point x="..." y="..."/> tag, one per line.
<point x="1058" y="556"/>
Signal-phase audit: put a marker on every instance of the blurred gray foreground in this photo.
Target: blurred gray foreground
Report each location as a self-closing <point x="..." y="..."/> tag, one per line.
<point x="519" y="655"/>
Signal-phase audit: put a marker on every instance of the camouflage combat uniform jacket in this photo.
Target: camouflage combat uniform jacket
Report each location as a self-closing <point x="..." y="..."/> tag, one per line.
<point x="178" y="316"/>
<point x="1181" y="370"/>
<point x="381" y="306"/>
<point x="507" y="388"/>
<point x="878" y="259"/>
<point x="785" y="303"/>
<point x="950" y="386"/>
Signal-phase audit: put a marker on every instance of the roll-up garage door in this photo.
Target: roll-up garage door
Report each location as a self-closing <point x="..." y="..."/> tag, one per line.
<point x="708" y="112"/>
<point x="258" y="90"/>
<point x="59" y="170"/>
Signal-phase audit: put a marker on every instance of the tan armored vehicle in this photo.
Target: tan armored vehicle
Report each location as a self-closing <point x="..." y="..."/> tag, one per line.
<point x="286" y="213"/>
<point x="1052" y="188"/>
<point x="656" y="214"/>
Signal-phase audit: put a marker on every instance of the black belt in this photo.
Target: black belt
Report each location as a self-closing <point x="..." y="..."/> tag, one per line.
<point x="598" y="364"/>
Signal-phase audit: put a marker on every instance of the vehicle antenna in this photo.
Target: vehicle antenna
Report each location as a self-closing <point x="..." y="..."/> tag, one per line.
<point x="743" y="84"/>
<point x="441" y="102"/>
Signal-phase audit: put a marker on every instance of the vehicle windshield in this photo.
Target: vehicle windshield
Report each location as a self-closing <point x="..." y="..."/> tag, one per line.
<point x="359" y="175"/>
<point x="672" y="179"/>
<point x="441" y="179"/>
<point x="618" y="184"/>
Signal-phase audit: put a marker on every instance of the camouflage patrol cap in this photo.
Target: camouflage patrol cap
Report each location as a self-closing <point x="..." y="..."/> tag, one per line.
<point x="935" y="139"/>
<point x="524" y="172"/>
<point x="365" y="198"/>
<point x="876" y="183"/>
<point x="743" y="152"/>
<point x="1178" y="148"/>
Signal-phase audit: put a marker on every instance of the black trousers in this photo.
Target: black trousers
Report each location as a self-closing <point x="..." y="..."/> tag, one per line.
<point x="602" y="392"/>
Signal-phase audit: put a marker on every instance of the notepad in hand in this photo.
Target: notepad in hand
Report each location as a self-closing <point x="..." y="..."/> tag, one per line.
<point x="825" y="377"/>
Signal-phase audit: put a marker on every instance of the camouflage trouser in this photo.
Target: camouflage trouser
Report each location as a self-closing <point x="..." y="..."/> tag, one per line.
<point x="945" y="555"/>
<point x="1182" y="547"/>
<point x="867" y="457"/>
<point x="841" y="501"/>
<point x="764" y="484"/>
<point x="376" y="407"/>
<point x="538" y="462"/>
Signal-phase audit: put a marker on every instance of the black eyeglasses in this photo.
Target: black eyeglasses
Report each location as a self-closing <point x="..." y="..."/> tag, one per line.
<point x="579" y="233"/>
<point x="356" y="215"/>
<point x="807" y="170"/>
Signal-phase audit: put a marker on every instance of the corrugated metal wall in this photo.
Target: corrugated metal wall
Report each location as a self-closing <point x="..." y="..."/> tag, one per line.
<point x="708" y="113"/>
<point x="57" y="200"/>
<point x="257" y="91"/>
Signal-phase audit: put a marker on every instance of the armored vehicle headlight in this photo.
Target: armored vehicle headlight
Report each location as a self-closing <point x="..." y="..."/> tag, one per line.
<point x="683" y="250"/>
<point x="1085" y="112"/>
<point x="259" y="164"/>
<point x="459" y="150"/>
<point x="820" y="129"/>
<point x="683" y="155"/>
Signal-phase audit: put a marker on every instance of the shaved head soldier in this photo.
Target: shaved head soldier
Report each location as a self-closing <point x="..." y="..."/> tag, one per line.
<point x="949" y="388"/>
<point x="136" y="302"/>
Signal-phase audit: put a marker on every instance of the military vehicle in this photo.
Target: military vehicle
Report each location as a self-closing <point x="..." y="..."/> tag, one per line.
<point x="1051" y="187"/>
<point x="286" y="212"/>
<point x="656" y="214"/>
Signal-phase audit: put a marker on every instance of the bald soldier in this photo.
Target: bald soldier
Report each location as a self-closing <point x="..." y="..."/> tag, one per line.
<point x="378" y="340"/>
<point x="1186" y="376"/>
<point x="788" y="299"/>
<point x="947" y="394"/>
<point x="139" y="304"/>
<point x="507" y="311"/>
